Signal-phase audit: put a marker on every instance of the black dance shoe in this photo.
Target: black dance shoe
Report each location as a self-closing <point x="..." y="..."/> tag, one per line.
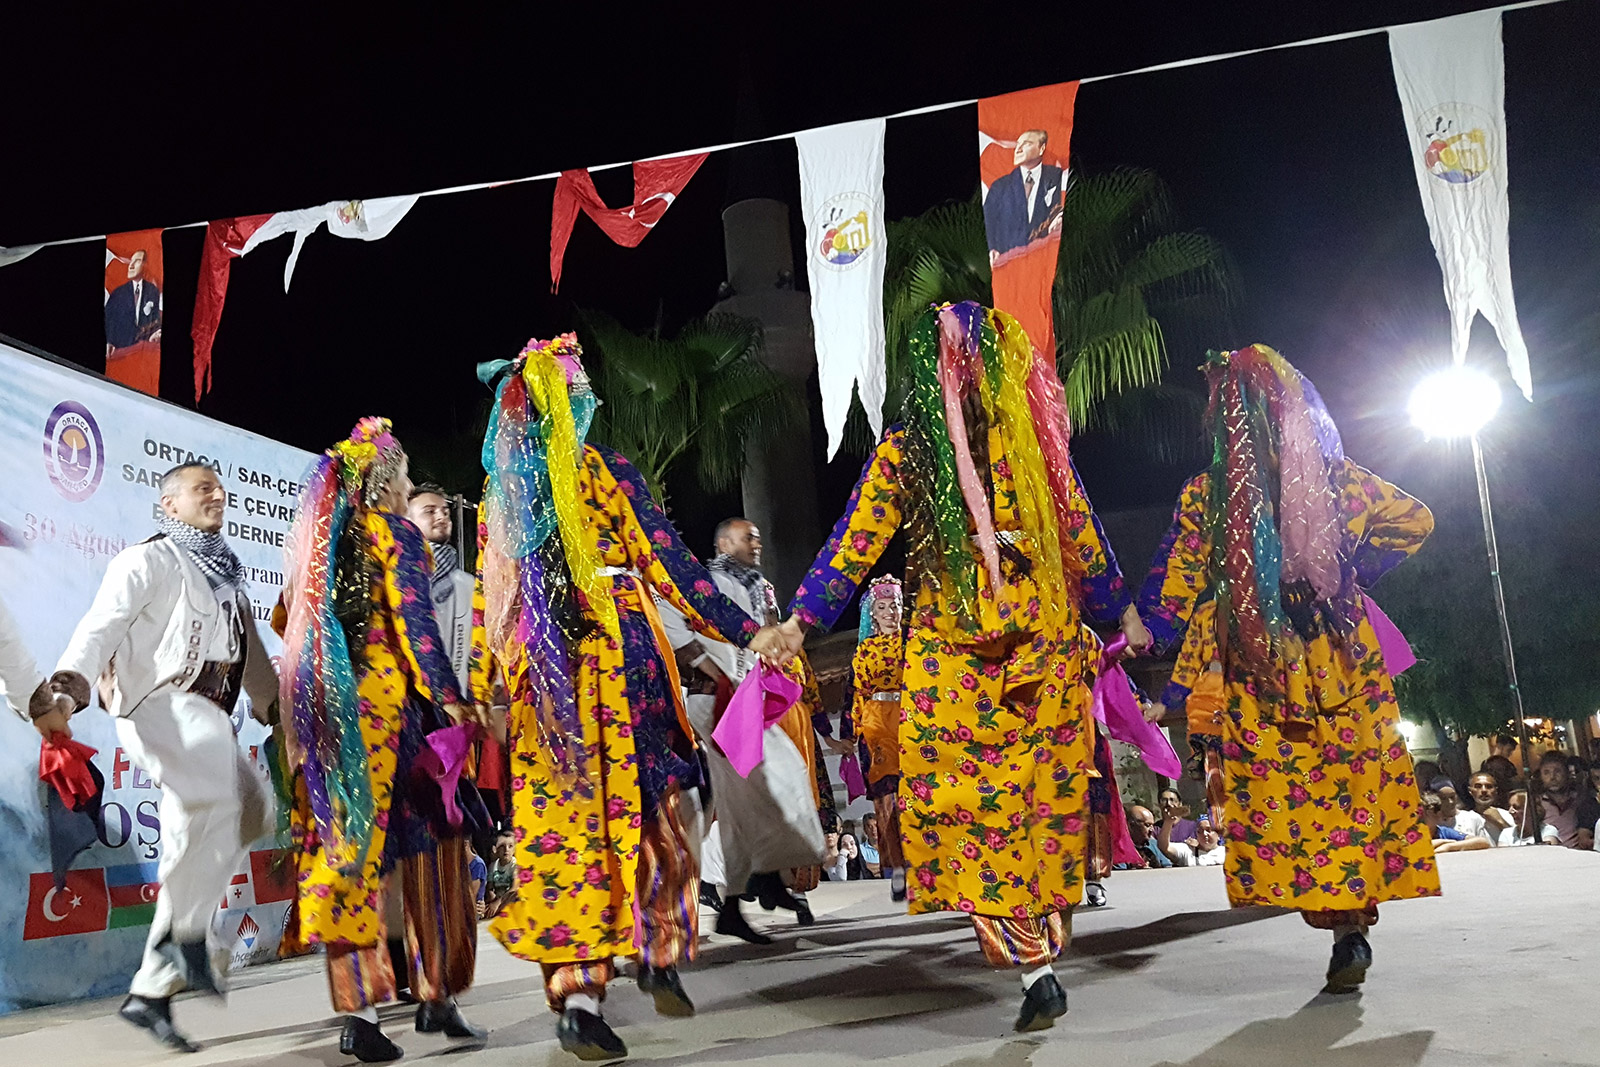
<point x="155" y="1015"/>
<point x="732" y="922"/>
<point x="436" y="1016"/>
<point x="1042" y="1004"/>
<point x="589" y="1037"/>
<point x="802" y="912"/>
<point x="772" y="893"/>
<point x="666" y="987"/>
<point x="365" y="1041"/>
<point x="1348" y="967"/>
<point x="897" y="887"/>
<point x="710" y="897"/>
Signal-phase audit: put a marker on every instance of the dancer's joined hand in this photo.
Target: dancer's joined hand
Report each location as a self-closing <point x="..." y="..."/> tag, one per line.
<point x="777" y="645"/>
<point x="1133" y="629"/>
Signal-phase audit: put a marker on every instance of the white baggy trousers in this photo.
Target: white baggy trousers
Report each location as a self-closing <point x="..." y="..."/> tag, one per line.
<point x="213" y="804"/>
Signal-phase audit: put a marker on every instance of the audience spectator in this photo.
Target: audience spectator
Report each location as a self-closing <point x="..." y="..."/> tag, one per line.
<point x="477" y="876"/>
<point x="1486" y="801"/>
<point x="1142" y="828"/>
<point x="502" y="884"/>
<point x="1176" y="812"/>
<point x="1566" y="805"/>
<point x="1503" y="769"/>
<point x="1446" y="838"/>
<point x="1517" y="803"/>
<point x="1468" y="823"/>
<point x="835" y="862"/>
<point x="870" y="865"/>
<point x="1209" y="850"/>
<point x="1426" y="771"/>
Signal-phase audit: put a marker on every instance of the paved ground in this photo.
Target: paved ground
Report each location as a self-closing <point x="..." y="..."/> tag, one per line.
<point x="1502" y="970"/>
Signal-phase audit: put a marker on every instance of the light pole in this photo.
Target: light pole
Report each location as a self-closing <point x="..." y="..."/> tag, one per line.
<point x="1458" y="403"/>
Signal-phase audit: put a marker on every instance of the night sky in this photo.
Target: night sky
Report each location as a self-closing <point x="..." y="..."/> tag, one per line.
<point x="1296" y="160"/>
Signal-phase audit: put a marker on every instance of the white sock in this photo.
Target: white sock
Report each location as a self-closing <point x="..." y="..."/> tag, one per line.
<point x="1030" y="977"/>
<point x="897" y="877"/>
<point x="1342" y="932"/>
<point x="582" y="1002"/>
<point x="368" y="1014"/>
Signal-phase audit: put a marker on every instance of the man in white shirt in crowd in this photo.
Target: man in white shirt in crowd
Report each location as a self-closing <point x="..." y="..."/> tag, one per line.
<point x="170" y="639"/>
<point x="1467" y="823"/>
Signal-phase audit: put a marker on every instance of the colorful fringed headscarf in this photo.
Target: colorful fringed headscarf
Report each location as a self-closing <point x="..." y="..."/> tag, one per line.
<point x="973" y="368"/>
<point x="325" y="587"/>
<point x="887" y="588"/>
<point x="1277" y="536"/>
<point x="532" y="538"/>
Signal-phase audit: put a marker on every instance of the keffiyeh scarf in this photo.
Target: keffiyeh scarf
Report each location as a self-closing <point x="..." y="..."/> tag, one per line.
<point x="208" y="550"/>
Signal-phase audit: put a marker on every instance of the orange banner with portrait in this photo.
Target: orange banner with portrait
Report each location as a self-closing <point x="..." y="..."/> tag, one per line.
<point x="133" y="283"/>
<point x="1024" y="141"/>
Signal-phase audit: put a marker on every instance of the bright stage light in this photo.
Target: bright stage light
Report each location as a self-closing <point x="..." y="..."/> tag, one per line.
<point x="1454" y="403"/>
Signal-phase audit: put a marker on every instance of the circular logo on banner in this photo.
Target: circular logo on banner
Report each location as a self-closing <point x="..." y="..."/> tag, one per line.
<point x="846" y="232"/>
<point x="74" y="453"/>
<point x="1457" y="142"/>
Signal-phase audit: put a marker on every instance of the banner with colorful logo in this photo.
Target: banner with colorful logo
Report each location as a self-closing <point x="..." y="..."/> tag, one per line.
<point x="1451" y="76"/>
<point x="1024" y="142"/>
<point x="80" y="459"/>
<point x="841" y="199"/>
<point x="133" y="283"/>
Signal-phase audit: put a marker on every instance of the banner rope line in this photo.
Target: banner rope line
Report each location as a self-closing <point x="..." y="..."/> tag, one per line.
<point x="17" y="253"/>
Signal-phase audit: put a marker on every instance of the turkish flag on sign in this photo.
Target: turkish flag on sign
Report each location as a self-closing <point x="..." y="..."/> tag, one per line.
<point x="81" y="908"/>
<point x="656" y="184"/>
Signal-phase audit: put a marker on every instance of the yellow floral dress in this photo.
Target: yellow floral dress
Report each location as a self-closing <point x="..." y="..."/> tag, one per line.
<point x="403" y="661"/>
<point x="1320" y="809"/>
<point x="995" y="747"/>
<point x="578" y="845"/>
<point x="878" y="667"/>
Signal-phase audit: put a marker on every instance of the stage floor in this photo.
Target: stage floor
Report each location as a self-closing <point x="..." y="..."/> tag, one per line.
<point x="1502" y="970"/>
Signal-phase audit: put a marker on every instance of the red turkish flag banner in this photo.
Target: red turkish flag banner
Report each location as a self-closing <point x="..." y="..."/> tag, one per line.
<point x="133" y="285"/>
<point x="225" y="240"/>
<point x="1024" y="143"/>
<point x="81" y="908"/>
<point x="656" y="184"/>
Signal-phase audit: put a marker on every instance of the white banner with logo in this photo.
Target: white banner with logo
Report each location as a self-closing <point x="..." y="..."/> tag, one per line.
<point x="1451" y="76"/>
<point x="80" y="458"/>
<point x="841" y="196"/>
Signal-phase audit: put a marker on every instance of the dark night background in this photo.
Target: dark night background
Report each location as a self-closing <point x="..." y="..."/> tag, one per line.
<point x="1296" y="160"/>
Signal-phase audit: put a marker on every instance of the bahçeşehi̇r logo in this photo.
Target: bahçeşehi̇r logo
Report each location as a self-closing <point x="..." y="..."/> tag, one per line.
<point x="1458" y="142"/>
<point x="74" y="452"/>
<point x="846" y="232"/>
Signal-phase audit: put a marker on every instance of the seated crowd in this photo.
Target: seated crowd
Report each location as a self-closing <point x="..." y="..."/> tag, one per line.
<point x="1492" y="813"/>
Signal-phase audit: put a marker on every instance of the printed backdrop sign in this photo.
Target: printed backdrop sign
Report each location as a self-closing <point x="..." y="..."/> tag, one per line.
<point x="841" y="194"/>
<point x="1024" y="141"/>
<point x="1451" y="76"/>
<point x="79" y="463"/>
<point x="133" y="309"/>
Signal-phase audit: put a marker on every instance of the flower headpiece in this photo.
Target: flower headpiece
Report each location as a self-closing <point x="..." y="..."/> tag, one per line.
<point x="883" y="589"/>
<point x="368" y="458"/>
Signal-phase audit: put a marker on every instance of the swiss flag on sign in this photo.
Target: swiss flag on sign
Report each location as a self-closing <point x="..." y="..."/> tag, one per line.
<point x="81" y="908"/>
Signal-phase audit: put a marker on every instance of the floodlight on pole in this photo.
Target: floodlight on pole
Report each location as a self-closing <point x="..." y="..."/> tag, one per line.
<point x="1455" y="403"/>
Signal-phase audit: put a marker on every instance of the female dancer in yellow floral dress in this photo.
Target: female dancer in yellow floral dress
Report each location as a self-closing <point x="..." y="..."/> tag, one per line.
<point x="1283" y="534"/>
<point x="572" y="545"/>
<point x="1003" y="554"/>
<point x="877" y="670"/>
<point x="366" y="675"/>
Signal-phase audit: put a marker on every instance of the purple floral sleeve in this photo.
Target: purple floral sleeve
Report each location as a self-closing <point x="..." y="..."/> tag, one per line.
<point x="1180" y="574"/>
<point x="688" y="583"/>
<point x="406" y="583"/>
<point x="862" y="533"/>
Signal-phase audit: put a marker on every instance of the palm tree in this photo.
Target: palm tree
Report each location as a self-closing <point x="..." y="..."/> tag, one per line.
<point x="1122" y="271"/>
<point x="701" y="396"/>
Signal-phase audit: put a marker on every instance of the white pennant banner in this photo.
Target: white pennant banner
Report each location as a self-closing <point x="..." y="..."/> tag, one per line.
<point x="1451" y="77"/>
<point x="364" y="220"/>
<point x="841" y="197"/>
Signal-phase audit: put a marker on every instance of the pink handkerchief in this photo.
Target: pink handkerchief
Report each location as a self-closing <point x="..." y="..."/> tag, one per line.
<point x="761" y="700"/>
<point x="1115" y="706"/>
